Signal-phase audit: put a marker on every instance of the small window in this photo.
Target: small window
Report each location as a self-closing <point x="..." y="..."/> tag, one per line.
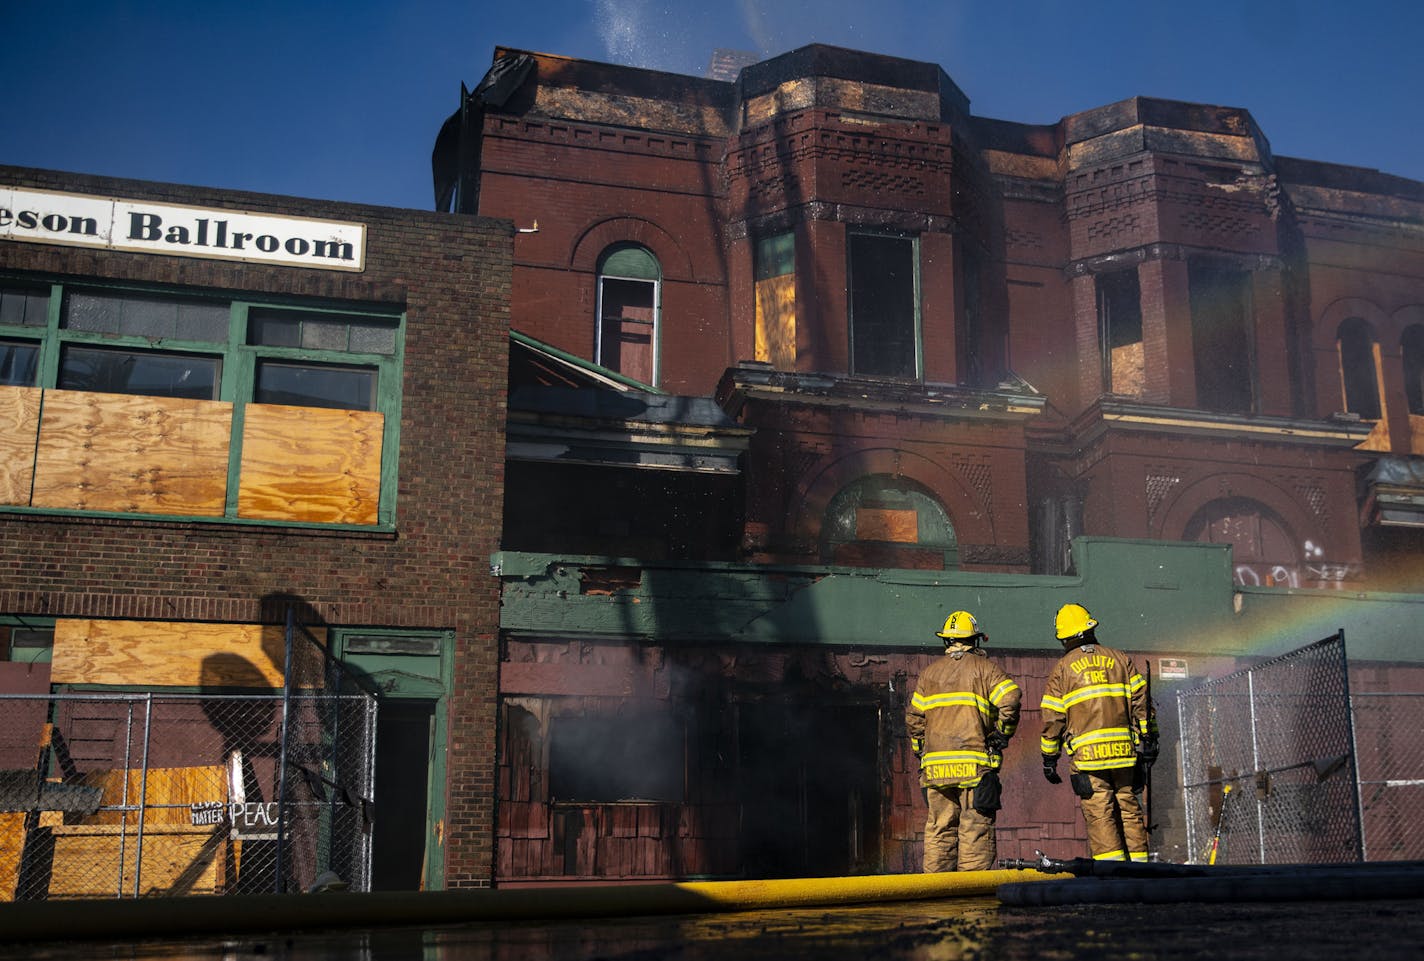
<point x="26" y="644"/>
<point x="1120" y="333"/>
<point x="24" y="306"/>
<point x="346" y="333"/>
<point x="1359" y="373"/>
<point x="884" y="306"/>
<point x="19" y="362"/>
<point x="144" y="315"/>
<point x="625" y="757"/>
<point x="156" y="373"/>
<point x="315" y="385"/>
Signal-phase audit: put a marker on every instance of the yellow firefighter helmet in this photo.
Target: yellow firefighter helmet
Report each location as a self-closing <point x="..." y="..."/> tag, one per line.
<point x="960" y="626"/>
<point x="1072" y="620"/>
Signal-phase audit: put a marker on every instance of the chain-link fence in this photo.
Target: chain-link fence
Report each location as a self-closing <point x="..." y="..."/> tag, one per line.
<point x="1268" y="762"/>
<point x="1391" y="771"/>
<point x="153" y="794"/>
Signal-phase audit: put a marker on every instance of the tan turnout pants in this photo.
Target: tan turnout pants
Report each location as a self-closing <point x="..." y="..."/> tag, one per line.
<point x="957" y="837"/>
<point x="1117" y="830"/>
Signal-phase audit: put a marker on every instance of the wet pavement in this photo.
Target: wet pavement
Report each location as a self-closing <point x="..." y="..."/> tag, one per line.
<point x="951" y="930"/>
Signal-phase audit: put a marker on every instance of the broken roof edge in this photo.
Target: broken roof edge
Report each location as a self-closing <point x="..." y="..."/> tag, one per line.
<point x="597" y="374"/>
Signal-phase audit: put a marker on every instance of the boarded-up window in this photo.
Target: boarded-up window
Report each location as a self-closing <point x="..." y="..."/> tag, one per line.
<point x="124" y="401"/>
<point x="629" y="281"/>
<point x="775" y="271"/>
<point x="883" y="521"/>
<point x="884" y="306"/>
<point x="1120" y="332"/>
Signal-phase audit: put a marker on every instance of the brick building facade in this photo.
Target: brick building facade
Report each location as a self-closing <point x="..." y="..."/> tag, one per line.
<point x="322" y="436"/>
<point x="959" y="343"/>
<point x="1156" y="308"/>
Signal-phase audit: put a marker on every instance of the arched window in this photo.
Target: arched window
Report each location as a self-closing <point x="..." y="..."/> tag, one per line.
<point x="1412" y="344"/>
<point x="883" y="521"/>
<point x="629" y="302"/>
<point x="1263" y="550"/>
<point x="1359" y="368"/>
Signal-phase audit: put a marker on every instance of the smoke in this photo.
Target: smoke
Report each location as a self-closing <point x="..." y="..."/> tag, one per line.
<point x="623" y="27"/>
<point x="676" y="35"/>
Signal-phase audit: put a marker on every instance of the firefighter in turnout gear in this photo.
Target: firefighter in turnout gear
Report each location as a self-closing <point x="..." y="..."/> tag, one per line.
<point x="961" y="716"/>
<point x="1096" y="707"/>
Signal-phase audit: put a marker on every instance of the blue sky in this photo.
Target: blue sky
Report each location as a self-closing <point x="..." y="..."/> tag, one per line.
<point x="342" y="100"/>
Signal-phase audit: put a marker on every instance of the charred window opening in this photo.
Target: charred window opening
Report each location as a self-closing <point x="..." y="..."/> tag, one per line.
<point x="1359" y="368"/>
<point x="638" y="756"/>
<point x="884" y="306"/>
<point x="982" y="357"/>
<point x="1221" y="337"/>
<point x="884" y="521"/>
<point x="1412" y="344"/>
<point x="775" y="273"/>
<point x="629" y="295"/>
<point x="808" y="811"/>
<point x="1120" y="332"/>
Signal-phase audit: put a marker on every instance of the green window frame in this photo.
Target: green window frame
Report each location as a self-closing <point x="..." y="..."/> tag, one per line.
<point x="352" y="356"/>
<point x="26" y="640"/>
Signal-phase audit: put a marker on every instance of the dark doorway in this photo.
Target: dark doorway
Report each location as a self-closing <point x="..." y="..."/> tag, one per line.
<point x="403" y="736"/>
<point x="809" y="789"/>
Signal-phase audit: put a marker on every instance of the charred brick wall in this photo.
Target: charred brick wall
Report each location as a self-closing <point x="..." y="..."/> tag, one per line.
<point x="451" y="275"/>
<point x="756" y="721"/>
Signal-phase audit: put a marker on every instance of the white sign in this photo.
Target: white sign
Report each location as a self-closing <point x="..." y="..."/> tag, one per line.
<point x="1172" y="668"/>
<point x="40" y="216"/>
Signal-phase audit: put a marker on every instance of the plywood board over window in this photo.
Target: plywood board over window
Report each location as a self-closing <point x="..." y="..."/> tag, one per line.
<point x="132" y="454"/>
<point x="19" y="428"/>
<point x="776" y="321"/>
<point x="310" y="464"/>
<point x="168" y="654"/>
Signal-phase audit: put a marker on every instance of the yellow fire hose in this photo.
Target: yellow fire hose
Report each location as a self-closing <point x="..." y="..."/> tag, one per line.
<point x="160" y="917"/>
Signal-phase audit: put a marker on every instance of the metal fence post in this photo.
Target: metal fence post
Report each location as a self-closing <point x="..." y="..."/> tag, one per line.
<point x="1354" y="758"/>
<point x="142" y="796"/>
<point x="282" y="756"/>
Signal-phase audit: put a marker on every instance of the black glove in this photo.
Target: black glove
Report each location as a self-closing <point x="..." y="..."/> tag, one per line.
<point x="1147" y="750"/>
<point x="917" y="745"/>
<point x="996" y="742"/>
<point x="1050" y="769"/>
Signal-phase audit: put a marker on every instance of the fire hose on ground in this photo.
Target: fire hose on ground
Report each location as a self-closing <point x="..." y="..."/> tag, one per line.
<point x="1151" y="882"/>
<point x="113" y="919"/>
